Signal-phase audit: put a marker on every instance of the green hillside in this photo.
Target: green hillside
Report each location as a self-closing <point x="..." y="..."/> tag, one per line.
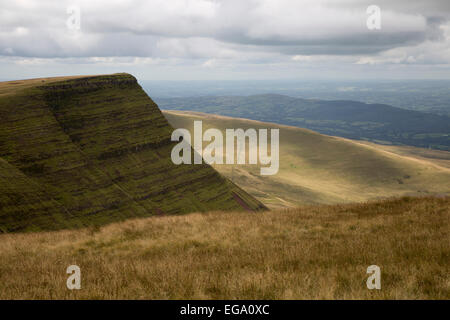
<point x="316" y="168"/>
<point x="80" y="151"/>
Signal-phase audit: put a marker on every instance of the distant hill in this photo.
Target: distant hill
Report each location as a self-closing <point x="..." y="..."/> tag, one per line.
<point x="79" y="151"/>
<point x="350" y="119"/>
<point x="316" y="168"/>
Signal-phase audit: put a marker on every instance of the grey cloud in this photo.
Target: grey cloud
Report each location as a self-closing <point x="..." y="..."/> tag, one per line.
<point x="228" y="29"/>
<point x="434" y="31"/>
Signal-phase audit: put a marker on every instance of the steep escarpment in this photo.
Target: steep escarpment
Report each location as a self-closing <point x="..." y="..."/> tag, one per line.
<point x="92" y="150"/>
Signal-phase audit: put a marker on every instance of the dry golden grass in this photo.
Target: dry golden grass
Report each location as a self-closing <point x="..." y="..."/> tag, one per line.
<point x="438" y="157"/>
<point x="311" y="252"/>
<point x="11" y="87"/>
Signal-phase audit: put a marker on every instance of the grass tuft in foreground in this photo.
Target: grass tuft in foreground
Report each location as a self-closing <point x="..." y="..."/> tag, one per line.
<point x="311" y="252"/>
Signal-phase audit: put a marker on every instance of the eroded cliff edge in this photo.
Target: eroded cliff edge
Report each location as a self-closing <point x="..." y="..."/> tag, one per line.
<point x="93" y="150"/>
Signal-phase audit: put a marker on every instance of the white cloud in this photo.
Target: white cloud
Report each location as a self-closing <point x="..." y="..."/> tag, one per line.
<point x="226" y="33"/>
<point x="427" y="52"/>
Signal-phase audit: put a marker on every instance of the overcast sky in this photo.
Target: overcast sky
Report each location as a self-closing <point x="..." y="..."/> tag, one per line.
<point x="225" y="39"/>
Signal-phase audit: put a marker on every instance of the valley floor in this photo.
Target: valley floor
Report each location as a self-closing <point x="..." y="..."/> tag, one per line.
<point x="318" y="252"/>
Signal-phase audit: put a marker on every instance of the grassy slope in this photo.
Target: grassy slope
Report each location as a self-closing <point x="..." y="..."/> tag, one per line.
<point x="439" y="157"/>
<point x="310" y="252"/>
<point x="349" y="119"/>
<point x="91" y="150"/>
<point x="315" y="168"/>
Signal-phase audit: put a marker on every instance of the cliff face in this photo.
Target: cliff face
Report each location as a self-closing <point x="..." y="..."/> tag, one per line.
<point x="94" y="150"/>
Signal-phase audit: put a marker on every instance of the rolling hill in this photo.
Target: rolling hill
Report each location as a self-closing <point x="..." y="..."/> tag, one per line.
<point x="90" y="150"/>
<point x="316" y="168"/>
<point x="379" y="123"/>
